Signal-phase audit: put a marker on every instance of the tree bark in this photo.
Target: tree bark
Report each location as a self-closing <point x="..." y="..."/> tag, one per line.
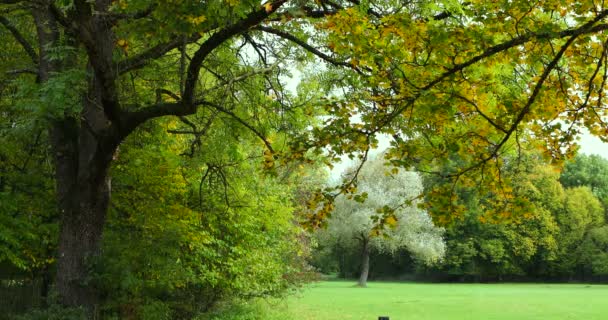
<point x="364" y="263"/>
<point x="81" y="228"/>
<point x="83" y="153"/>
<point x="82" y="146"/>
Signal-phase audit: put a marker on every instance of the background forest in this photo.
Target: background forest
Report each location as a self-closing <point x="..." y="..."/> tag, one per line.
<point x="561" y="237"/>
<point x="167" y="159"/>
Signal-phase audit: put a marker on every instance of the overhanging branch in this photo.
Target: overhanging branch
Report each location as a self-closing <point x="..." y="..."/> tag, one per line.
<point x="524" y="111"/>
<point x="217" y="39"/>
<point x="239" y="120"/>
<point x="586" y="28"/>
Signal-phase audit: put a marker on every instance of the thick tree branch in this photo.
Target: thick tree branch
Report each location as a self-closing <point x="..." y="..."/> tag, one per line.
<point x="159" y="50"/>
<point x="19" y="37"/>
<point x="61" y="18"/>
<point x="97" y="36"/>
<point x="178" y="108"/>
<point x="142" y="59"/>
<point x="188" y="104"/>
<point x="132" y="119"/>
<point x="160" y="92"/>
<point x="217" y="39"/>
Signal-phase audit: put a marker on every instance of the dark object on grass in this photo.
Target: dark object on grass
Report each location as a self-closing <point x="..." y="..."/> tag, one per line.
<point x="383" y="318"/>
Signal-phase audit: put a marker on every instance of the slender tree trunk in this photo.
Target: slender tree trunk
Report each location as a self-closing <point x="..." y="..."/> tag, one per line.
<point x="45" y="284"/>
<point x="340" y="258"/>
<point x="364" y="263"/>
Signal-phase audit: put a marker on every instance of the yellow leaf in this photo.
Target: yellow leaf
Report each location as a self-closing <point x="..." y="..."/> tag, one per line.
<point x="123" y="44"/>
<point x="197" y="20"/>
<point x="268" y="7"/>
<point x="391" y="221"/>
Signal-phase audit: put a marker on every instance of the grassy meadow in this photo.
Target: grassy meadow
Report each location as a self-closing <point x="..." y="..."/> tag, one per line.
<point x="336" y="300"/>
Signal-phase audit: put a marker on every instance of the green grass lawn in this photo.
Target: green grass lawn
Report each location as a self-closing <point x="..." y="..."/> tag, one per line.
<point x="415" y="301"/>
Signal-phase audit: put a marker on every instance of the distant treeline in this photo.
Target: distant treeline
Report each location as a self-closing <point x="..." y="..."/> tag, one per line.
<point x="556" y="231"/>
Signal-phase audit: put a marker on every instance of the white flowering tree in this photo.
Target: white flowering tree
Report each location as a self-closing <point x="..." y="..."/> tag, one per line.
<point x="352" y="223"/>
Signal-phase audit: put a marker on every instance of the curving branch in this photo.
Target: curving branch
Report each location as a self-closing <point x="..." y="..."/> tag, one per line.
<point x="239" y="120"/>
<point x="217" y="39"/>
<point x="524" y="111"/>
<point x="178" y="107"/>
<point x="586" y="28"/>
<point x="20" y="38"/>
<point x="187" y="105"/>
<point x="481" y="113"/>
<point x="142" y="59"/>
<point x="304" y="45"/>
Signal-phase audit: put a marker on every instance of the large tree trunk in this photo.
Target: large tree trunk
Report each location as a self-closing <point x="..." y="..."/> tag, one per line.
<point x="364" y="263"/>
<point x="83" y="146"/>
<point x="82" y="222"/>
<point x="82" y="161"/>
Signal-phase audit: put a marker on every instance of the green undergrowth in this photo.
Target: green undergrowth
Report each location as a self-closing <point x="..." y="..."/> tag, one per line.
<point x="257" y="309"/>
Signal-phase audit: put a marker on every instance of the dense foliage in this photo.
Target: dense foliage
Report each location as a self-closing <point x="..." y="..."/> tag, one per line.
<point x="559" y="234"/>
<point x="180" y="239"/>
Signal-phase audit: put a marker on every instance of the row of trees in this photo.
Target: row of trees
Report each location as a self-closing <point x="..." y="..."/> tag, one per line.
<point x="559" y="232"/>
<point x="558" y="236"/>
